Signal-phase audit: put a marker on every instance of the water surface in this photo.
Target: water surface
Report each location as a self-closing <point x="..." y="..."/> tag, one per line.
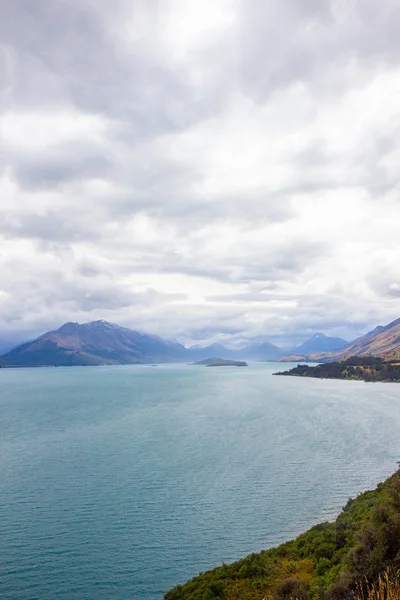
<point x="120" y="482"/>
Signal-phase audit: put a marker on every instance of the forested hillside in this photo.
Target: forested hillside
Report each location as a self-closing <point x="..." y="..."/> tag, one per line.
<point x="331" y="561"/>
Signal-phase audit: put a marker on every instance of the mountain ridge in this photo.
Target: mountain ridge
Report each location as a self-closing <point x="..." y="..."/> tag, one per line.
<point x="383" y="341"/>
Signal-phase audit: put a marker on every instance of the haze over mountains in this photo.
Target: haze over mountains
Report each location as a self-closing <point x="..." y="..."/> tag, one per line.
<point x="321" y="343"/>
<point x="104" y="343"/>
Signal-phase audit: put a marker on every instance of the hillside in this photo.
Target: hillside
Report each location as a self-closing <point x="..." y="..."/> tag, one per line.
<point x="95" y="343"/>
<point x="383" y="341"/>
<point x="325" y="563"/>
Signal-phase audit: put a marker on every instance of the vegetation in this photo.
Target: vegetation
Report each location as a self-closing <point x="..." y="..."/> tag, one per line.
<point x="344" y="560"/>
<point x="365" y="368"/>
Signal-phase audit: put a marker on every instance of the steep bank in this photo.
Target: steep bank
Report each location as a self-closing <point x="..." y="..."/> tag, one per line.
<point x="326" y="562"/>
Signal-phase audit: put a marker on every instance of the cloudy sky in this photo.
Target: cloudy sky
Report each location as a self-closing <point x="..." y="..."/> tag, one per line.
<point x="202" y="169"/>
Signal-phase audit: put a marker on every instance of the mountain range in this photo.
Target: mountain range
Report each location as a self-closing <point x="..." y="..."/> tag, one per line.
<point x="104" y="343"/>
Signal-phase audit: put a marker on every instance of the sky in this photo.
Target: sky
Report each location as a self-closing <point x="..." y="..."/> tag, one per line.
<point x="208" y="170"/>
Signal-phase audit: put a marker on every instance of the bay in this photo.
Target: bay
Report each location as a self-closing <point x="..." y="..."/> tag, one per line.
<point x="121" y="482"/>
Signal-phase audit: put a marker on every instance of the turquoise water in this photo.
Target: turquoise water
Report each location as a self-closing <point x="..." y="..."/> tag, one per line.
<point x="120" y="482"/>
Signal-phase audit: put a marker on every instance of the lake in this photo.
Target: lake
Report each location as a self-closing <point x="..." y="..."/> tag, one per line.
<point x="121" y="482"/>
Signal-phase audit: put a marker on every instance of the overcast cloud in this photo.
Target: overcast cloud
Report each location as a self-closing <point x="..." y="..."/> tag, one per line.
<point x="210" y="170"/>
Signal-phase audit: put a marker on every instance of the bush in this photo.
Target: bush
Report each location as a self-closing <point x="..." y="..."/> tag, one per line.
<point x="291" y="589"/>
<point x="339" y="592"/>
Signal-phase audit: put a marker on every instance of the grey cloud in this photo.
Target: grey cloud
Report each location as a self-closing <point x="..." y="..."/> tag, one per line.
<point x="87" y="65"/>
<point x="262" y="262"/>
<point x="279" y="43"/>
<point x="384" y="278"/>
<point x="206" y="333"/>
<point x="303" y="41"/>
<point x="64" y="163"/>
<point x="60" y="225"/>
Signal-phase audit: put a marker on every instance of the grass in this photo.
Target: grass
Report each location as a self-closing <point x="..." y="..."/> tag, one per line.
<point x="387" y="587"/>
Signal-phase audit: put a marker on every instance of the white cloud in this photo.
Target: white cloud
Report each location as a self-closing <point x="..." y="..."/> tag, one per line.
<point x="225" y="171"/>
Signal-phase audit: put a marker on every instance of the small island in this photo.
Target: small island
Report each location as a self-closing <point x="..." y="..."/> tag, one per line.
<point x="221" y="362"/>
<point x="363" y="368"/>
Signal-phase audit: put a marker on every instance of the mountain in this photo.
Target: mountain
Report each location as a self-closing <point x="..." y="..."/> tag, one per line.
<point x="320" y="343"/>
<point x="383" y="341"/>
<point x="95" y="343"/>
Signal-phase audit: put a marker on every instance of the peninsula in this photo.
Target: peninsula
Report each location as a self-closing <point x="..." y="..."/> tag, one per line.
<point x="363" y="368"/>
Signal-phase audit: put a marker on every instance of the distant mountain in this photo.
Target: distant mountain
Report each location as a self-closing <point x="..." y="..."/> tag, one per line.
<point x="95" y="343"/>
<point x="320" y="343"/>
